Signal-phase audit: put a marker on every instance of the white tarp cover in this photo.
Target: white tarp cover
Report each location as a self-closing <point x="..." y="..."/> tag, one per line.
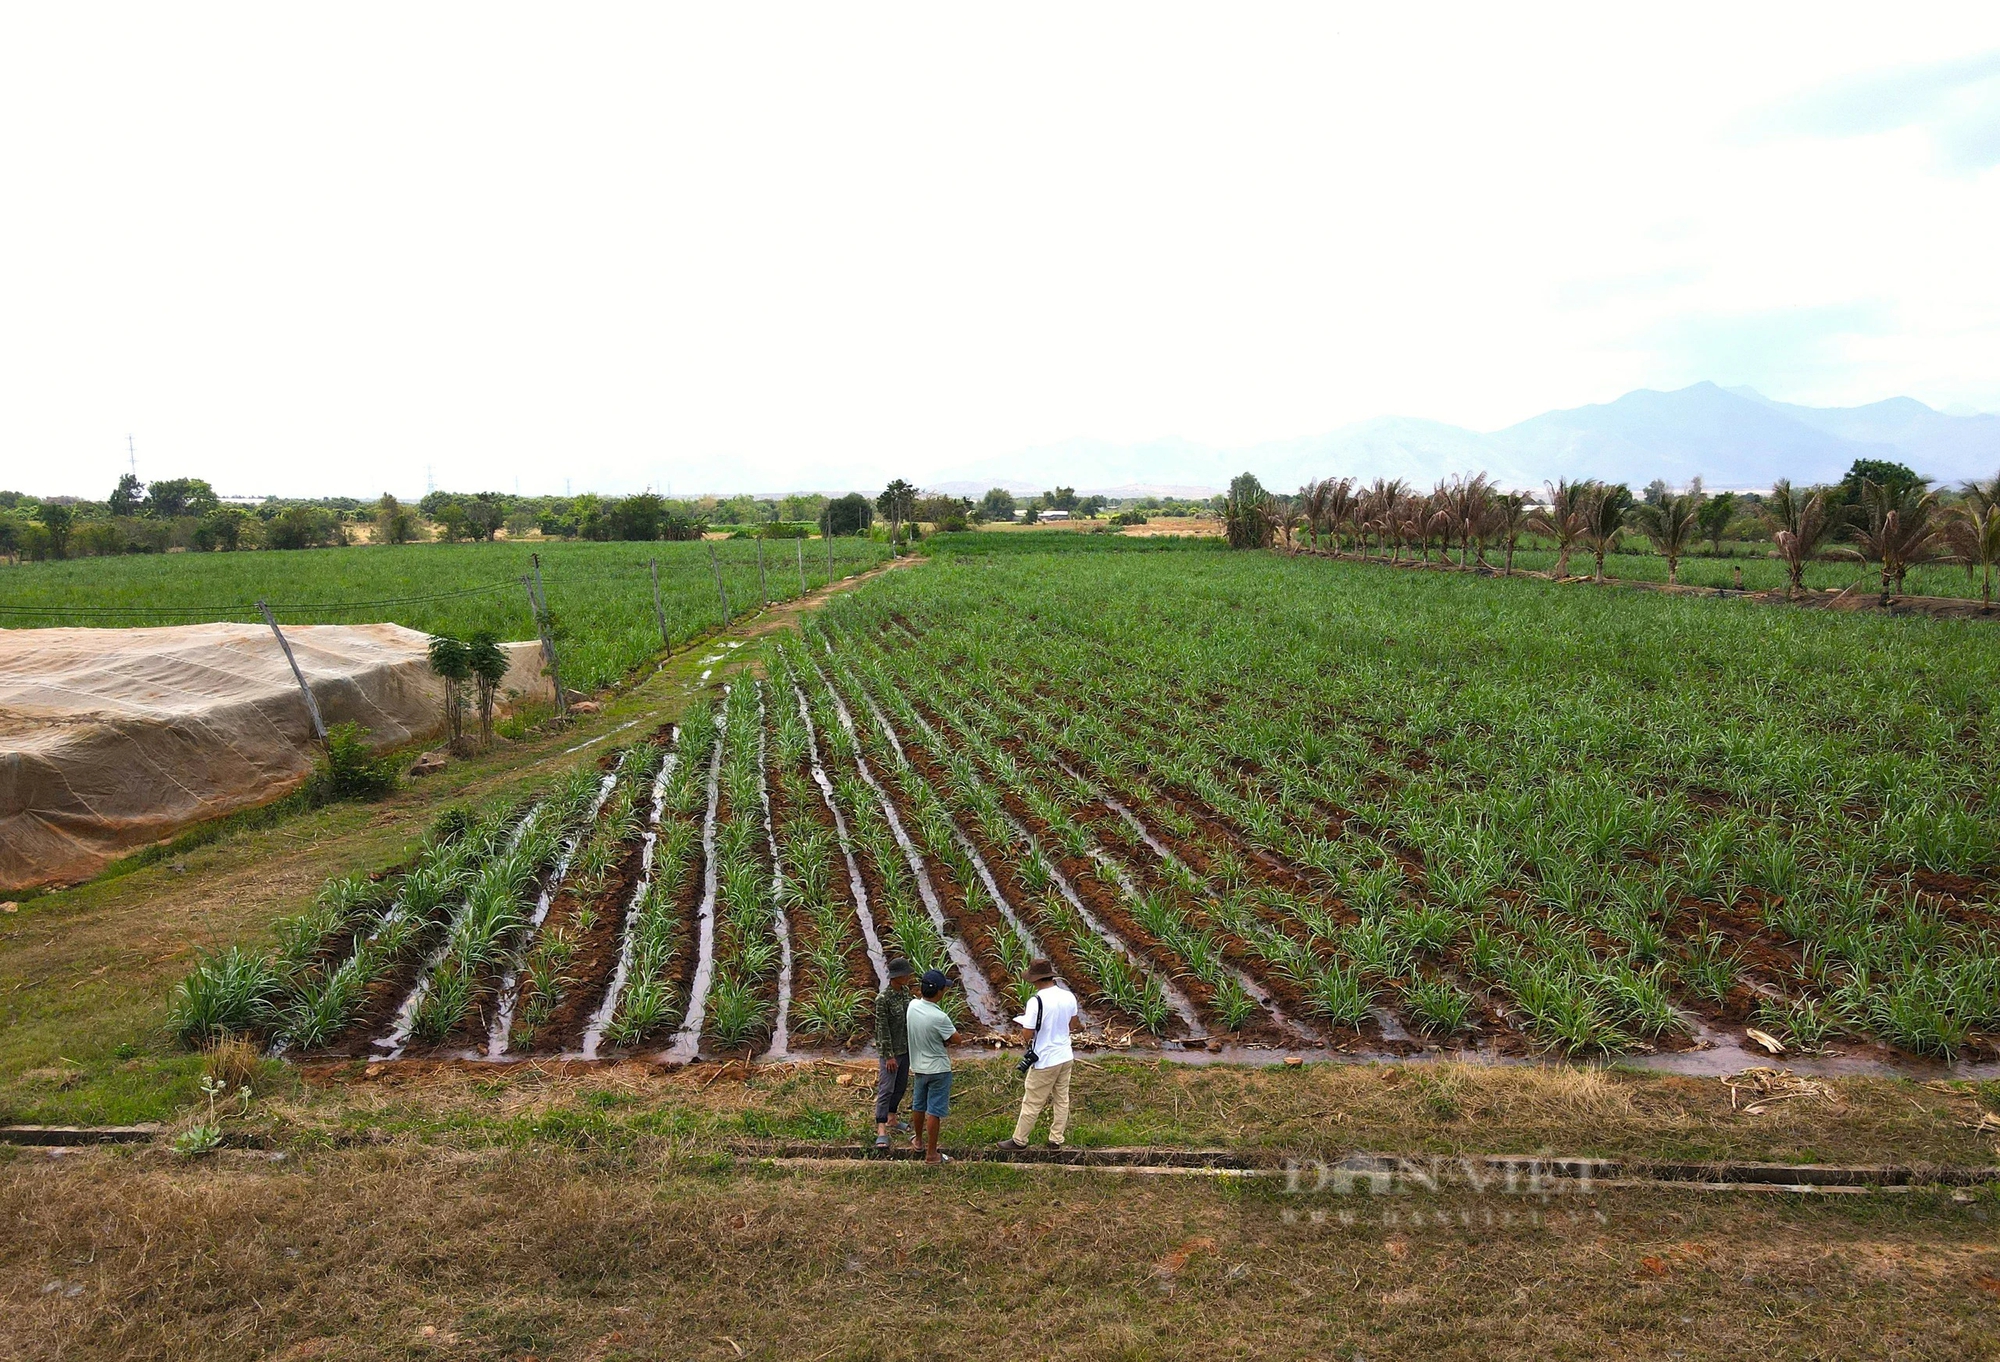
<point x="111" y="739"/>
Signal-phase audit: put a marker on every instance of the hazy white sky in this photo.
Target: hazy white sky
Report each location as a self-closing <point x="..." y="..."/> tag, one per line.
<point x="725" y="247"/>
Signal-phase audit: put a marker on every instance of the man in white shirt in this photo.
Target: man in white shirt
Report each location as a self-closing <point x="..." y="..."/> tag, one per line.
<point x="1046" y="1027"/>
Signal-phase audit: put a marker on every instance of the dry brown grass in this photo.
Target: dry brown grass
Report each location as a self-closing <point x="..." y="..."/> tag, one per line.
<point x="1316" y="1110"/>
<point x="629" y="1254"/>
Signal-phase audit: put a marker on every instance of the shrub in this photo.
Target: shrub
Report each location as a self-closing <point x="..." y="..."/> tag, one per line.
<point x="349" y="770"/>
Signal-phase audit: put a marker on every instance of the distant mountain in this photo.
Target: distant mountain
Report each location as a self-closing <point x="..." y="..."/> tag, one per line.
<point x="1730" y="438"/>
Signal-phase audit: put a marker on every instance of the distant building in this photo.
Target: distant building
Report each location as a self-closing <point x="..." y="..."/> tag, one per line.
<point x="1055" y="515"/>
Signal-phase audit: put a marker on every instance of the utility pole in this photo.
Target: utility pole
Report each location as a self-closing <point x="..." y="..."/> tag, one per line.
<point x="131" y="456"/>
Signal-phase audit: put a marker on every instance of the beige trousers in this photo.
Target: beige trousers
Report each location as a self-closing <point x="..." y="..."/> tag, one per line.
<point x="1042" y="1085"/>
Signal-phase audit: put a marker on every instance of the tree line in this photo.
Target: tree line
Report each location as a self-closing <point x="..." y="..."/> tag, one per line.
<point x="1881" y="513"/>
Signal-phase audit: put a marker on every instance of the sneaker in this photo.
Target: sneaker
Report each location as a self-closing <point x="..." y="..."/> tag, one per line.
<point x="1056" y="1145"/>
<point x="1010" y="1145"/>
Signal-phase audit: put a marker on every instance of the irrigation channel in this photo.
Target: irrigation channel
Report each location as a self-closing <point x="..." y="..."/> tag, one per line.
<point x="732" y="887"/>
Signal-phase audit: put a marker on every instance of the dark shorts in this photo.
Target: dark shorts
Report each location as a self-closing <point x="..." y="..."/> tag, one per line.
<point x="889" y="1088"/>
<point x="931" y="1094"/>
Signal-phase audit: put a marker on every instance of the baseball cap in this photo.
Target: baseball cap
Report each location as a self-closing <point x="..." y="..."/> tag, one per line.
<point x="934" y="981"/>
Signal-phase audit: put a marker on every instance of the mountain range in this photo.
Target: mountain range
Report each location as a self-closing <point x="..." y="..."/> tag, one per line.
<point x="1728" y="437"/>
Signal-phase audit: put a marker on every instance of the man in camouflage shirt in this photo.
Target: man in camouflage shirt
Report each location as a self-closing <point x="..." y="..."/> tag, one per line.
<point x="892" y="1046"/>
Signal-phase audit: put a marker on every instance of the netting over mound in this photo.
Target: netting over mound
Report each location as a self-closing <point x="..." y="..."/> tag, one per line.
<point x="111" y="739"/>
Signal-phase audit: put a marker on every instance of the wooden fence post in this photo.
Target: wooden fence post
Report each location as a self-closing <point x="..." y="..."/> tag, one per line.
<point x="312" y="705"/>
<point x="802" y="567"/>
<point x="538" y="602"/>
<point x="829" y="557"/>
<point x="717" y="568"/>
<point x="658" y="613"/>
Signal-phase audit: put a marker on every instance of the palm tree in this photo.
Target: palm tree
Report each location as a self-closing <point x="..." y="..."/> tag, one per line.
<point x="1466" y="500"/>
<point x="1672" y="525"/>
<point x="1339" y="506"/>
<point x="1381" y="512"/>
<point x="1510" y="516"/>
<point x="1802" y="524"/>
<point x="1603" y="513"/>
<point x="1973" y="531"/>
<point x="1311" y="502"/>
<point x="1285" y="516"/>
<point x="1562" y="519"/>
<point x="1901" y="529"/>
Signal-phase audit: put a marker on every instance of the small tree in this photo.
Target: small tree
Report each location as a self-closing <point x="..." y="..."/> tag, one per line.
<point x="1246" y="513"/>
<point x="58" y="519"/>
<point x="487" y="662"/>
<point x="896" y="503"/>
<point x="127" y="496"/>
<point x="393" y="522"/>
<point x="1671" y="523"/>
<point x="851" y="514"/>
<point x="1715" y="516"/>
<point x="451" y="659"/>
<point x="997" y="504"/>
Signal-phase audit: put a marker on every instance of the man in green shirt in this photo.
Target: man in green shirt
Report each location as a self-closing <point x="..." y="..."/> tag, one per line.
<point x="892" y="1046"/>
<point x="930" y="1092"/>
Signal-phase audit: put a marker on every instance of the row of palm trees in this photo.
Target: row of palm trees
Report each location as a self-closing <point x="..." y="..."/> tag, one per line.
<point x="1897" y="524"/>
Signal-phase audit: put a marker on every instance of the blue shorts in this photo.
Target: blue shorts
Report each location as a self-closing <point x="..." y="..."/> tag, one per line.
<point x="931" y="1094"/>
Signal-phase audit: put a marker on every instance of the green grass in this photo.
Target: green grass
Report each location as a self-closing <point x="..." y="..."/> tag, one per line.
<point x="600" y="594"/>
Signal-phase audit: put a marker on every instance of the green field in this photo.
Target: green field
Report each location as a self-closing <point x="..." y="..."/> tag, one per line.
<point x="1289" y="800"/>
<point x="600" y="593"/>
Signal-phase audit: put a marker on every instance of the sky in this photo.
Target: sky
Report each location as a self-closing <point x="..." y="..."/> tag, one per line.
<point x="342" y="250"/>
